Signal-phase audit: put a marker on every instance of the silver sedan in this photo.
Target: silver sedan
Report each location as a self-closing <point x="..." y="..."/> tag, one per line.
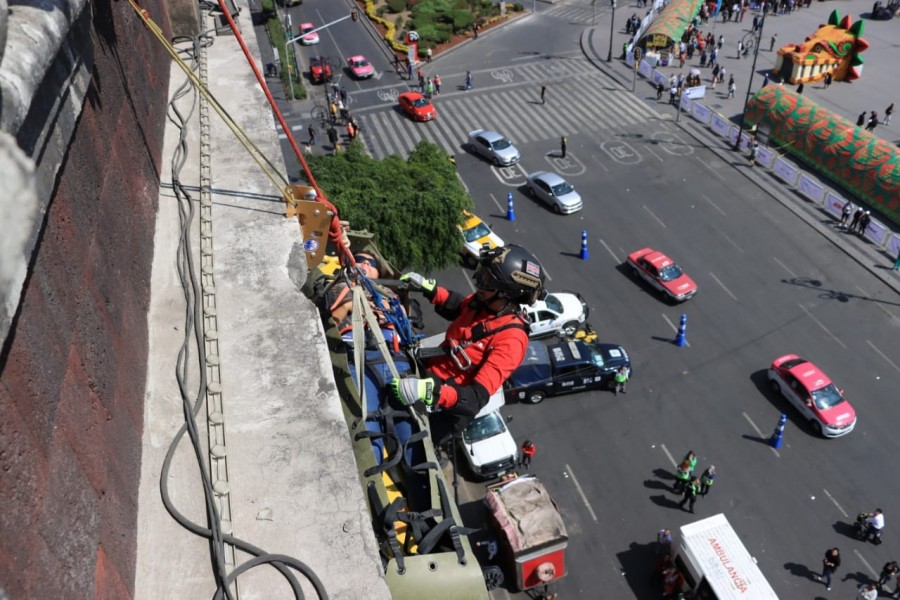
<point x="493" y="147"/>
<point x="554" y="191"/>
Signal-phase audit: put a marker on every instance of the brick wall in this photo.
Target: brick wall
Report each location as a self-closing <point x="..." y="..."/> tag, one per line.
<point x="72" y="371"/>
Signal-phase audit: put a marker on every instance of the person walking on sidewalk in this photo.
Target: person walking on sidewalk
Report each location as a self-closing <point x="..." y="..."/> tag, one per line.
<point x="731" y="87"/>
<point x="830" y="564"/>
<point x="707" y="479"/>
<point x="437" y="84"/>
<point x="888" y="572"/>
<point x="543" y="93"/>
<point x="312" y="134"/>
<point x="468" y="80"/>
<point x="887" y="114"/>
<point x="845" y="214"/>
<point x="772" y="41"/>
<point x="660" y="88"/>
<point x="861" y="120"/>
<point x="690" y="493"/>
<point x="528" y="452"/>
<point x="740" y="49"/>
<point x="562" y="146"/>
<point x="754" y="150"/>
<point x="873" y="121"/>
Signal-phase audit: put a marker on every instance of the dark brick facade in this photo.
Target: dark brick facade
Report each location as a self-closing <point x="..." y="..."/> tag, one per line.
<point x="73" y="371"/>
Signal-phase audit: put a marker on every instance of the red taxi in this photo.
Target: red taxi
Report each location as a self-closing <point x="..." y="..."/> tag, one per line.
<point x="417" y="106"/>
<point x="662" y="273"/>
<point x="813" y="394"/>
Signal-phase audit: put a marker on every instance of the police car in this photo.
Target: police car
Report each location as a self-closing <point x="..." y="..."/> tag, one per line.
<point x="557" y="313"/>
<point x="553" y="368"/>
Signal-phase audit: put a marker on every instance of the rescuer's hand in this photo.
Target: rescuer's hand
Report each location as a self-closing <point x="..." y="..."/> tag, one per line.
<point x="418" y="283"/>
<point x="410" y="390"/>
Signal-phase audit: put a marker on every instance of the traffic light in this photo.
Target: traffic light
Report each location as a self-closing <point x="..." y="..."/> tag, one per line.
<point x="354" y="15"/>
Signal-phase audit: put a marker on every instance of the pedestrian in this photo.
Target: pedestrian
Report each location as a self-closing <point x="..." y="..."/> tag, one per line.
<point x="887" y="114"/>
<point x="772" y="41"/>
<point x="731" y="87"/>
<point x="828" y="80"/>
<point x="344" y="96"/>
<point x="721" y="42"/>
<point x="620" y="379"/>
<point x="528" y="452"/>
<point x="312" y="134"/>
<point x="475" y="30"/>
<point x="722" y="74"/>
<point x="800" y="88"/>
<point x="409" y="69"/>
<point x="429" y="88"/>
<point x="468" y="80"/>
<point x="664" y="542"/>
<point x="673" y="93"/>
<point x="754" y="150"/>
<point x="755" y="23"/>
<point x="867" y="591"/>
<point x="713" y="57"/>
<point x="707" y="479"/>
<point x="682" y="476"/>
<point x="437" y="84"/>
<point x="897" y="268"/>
<point x="845" y="214"/>
<point x="873" y="122"/>
<point x="421" y="77"/>
<point x="863" y="224"/>
<point x="543" y="93"/>
<point x="861" y="120"/>
<point x="830" y="564"/>
<point x="856" y="217"/>
<point x="334" y="111"/>
<point x="333" y="139"/>
<point x="690" y="493"/>
<point x="428" y="54"/>
<point x="351" y="131"/>
<point x="888" y="571"/>
<point x="740" y="49"/>
<point x="691" y="458"/>
<point x="660" y="88"/>
<point x="562" y="146"/>
<point x="703" y="58"/>
<point x="765" y="80"/>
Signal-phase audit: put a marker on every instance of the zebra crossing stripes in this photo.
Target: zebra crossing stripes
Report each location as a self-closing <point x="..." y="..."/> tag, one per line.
<point x="574" y="105"/>
<point x="573" y="13"/>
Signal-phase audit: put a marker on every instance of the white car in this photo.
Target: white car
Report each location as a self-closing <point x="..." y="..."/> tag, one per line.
<point x="555" y="192"/>
<point x="557" y="313"/>
<point x="476" y="234"/>
<point x="489" y="447"/>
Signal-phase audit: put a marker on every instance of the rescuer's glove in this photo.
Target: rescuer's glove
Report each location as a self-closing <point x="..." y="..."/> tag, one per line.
<point x="410" y="390"/>
<point x="418" y="283"/>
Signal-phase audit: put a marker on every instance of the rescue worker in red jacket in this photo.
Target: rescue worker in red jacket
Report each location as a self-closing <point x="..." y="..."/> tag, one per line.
<point x="487" y="338"/>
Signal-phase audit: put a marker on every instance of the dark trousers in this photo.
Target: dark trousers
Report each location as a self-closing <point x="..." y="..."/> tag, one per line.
<point x="692" y="499"/>
<point x="827" y="572"/>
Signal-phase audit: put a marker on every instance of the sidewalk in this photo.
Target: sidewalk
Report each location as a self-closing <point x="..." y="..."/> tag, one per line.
<point x="847" y="99"/>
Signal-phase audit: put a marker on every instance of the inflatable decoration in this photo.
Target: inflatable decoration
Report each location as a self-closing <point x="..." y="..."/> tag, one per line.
<point x="834" y="48"/>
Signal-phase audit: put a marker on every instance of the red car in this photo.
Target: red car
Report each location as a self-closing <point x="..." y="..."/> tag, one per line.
<point x="319" y="69"/>
<point x="662" y="273"/>
<point x="417" y="106"/>
<point x="813" y="394"/>
<point x="360" y="67"/>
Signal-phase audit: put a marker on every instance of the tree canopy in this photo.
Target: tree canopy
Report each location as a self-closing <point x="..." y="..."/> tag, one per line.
<point x="412" y="206"/>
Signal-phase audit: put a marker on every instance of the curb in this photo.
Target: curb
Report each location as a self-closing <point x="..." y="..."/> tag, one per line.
<point x="864" y="257"/>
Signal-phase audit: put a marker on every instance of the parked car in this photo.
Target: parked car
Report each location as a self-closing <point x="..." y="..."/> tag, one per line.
<point x="319" y="69"/>
<point x="487" y="444"/>
<point x="557" y="313"/>
<point x="360" y="68"/>
<point x="476" y="233"/>
<point x="494" y="147"/>
<point x="564" y="367"/>
<point x="554" y="191"/>
<point x="308" y="39"/>
<point x="662" y="273"/>
<point x="417" y="106"/>
<point x="811" y="392"/>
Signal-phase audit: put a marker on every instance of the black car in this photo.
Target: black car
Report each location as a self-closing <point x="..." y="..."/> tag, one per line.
<point x="552" y="368"/>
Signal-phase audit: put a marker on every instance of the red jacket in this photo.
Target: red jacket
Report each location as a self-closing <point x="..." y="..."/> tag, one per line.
<point x="494" y="357"/>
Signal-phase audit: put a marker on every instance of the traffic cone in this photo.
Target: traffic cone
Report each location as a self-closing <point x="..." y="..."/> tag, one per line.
<point x="510" y="210"/>
<point x="777" y="437"/>
<point x="584" y="249"/>
<point x="680" y="338"/>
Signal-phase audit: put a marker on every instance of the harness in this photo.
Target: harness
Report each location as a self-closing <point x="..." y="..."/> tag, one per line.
<point x="457" y="349"/>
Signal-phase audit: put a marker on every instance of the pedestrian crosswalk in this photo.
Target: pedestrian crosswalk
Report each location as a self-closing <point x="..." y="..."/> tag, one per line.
<point x="578" y="100"/>
<point x="579" y="12"/>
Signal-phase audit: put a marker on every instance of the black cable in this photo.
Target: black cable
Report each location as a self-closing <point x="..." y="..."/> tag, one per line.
<point x="193" y="323"/>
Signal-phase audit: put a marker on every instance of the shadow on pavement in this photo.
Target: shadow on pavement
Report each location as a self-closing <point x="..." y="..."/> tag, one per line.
<point x="638" y="565"/>
<point x="801" y="571"/>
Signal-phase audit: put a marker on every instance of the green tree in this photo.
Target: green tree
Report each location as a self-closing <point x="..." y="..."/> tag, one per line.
<point x="412" y="206"/>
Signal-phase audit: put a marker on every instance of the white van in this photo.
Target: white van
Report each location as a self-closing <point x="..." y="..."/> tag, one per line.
<point x="716" y="565"/>
<point x="489" y="447"/>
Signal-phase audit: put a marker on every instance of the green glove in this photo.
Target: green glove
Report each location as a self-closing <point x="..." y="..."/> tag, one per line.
<point x="419" y="283"/>
<point x="410" y="390"/>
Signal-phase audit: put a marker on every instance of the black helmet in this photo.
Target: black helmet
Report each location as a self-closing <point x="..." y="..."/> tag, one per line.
<point x="512" y="271"/>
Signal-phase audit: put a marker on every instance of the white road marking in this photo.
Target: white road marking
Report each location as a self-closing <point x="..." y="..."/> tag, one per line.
<point x="669" y="454"/>
<point x="835" y="502"/>
<point x="784" y="266"/>
<point x="496" y="202"/>
<point x="468" y="279"/>
<point x="581" y="493"/>
<point x="599" y="162"/>
<point x="463" y="183"/>
<point x="711" y="170"/>
<point x="675" y="329"/>
<point x="825" y="329"/>
<point x="608" y="249"/>
<point x="890" y="362"/>
<point x="866" y="563"/>
<point x="878" y="304"/>
<point x="658" y="157"/>
<point x="731" y="241"/>
<point x="733" y="297"/>
<point x="714" y="205"/>
<point x="759" y="432"/>
<point x="658" y="220"/>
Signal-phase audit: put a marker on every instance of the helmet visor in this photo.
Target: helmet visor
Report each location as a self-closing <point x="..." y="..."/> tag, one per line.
<point x="484" y="280"/>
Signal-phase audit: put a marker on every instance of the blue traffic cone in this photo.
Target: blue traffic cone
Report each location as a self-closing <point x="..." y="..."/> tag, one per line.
<point x="584" y="249"/>
<point x="777" y="437"/>
<point x="680" y="337"/>
<point x="510" y="210"/>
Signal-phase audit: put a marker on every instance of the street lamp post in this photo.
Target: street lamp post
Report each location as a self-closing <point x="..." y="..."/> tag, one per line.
<point x="612" y="23"/>
<point x="737" y="142"/>
<point x="288" y="56"/>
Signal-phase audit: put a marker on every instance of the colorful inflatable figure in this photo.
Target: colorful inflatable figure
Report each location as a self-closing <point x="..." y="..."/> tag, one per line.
<point x="834" y="48"/>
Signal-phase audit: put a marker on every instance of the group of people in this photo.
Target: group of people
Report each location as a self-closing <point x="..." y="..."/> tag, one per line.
<point x="866" y="590"/>
<point x="671" y="577"/>
<point x="871" y="122"/>
<point x="428" y="86"/>
<point x="690" y="486"/>
<point x="859" y="221"/>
